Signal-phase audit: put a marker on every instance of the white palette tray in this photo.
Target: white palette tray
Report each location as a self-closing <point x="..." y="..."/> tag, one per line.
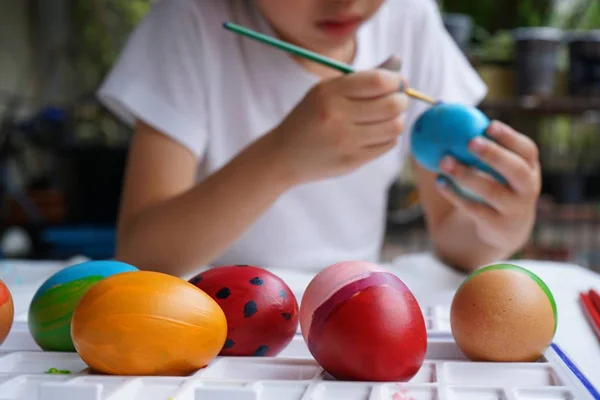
<point x="293" y="375"/>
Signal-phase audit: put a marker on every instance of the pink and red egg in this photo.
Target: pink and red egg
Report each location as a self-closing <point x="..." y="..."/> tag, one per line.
<point x="362" y="323"/>
<point x="261" y="309"/>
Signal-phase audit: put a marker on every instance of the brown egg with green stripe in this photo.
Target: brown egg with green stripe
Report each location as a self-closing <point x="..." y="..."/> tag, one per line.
<point x="503" y="313"/>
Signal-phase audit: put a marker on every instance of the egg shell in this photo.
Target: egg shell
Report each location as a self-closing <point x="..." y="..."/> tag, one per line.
<point x="7" y="311"/>
<point x="503" y="313"/>
<point x="51" y="309"/>
<point x="147" y="324"/>
<point x="362" y="323"/>
<point x="261" y="309"/>
<point x="446" y="129"/>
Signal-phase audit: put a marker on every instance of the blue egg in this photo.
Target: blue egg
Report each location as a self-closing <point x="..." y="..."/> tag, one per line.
<point x="446" y="129"/>
<point x="52" y="306"/>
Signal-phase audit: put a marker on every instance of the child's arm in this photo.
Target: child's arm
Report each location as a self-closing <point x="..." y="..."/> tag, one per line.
<point x="170" y="224"/>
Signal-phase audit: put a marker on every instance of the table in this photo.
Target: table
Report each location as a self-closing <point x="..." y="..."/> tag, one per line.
<point x="432" y="283"/>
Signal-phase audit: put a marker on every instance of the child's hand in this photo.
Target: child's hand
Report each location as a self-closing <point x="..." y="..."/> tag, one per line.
<point x="507" y="219"/>
<point x="341" y="124"/>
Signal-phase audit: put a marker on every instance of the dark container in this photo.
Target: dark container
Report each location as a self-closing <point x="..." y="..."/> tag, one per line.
<point x="593" y="187"/>
<point x="571" y="188"/>
<point x="536" y="60"/>
<point x="584" y="60"/>
<point x="93" y="179"/>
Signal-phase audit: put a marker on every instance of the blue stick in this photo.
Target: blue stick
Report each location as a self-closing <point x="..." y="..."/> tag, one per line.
<point x="584" y="381"/>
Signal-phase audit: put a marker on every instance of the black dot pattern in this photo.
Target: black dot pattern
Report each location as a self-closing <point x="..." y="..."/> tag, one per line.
<point x="229" y="344"/>
<point x="286" y="316"/>
<point x="261" y="351"/>
<point x="250" y="309"/>
<point x="256" y="281"/>
<point x="196" y="279"/>
<point x="283" y="294"/>
<point x="223" y="293"/>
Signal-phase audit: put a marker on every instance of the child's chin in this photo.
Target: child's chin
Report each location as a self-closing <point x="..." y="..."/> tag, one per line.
<point x="329" y="43"/>
<point x="335" y="34"/>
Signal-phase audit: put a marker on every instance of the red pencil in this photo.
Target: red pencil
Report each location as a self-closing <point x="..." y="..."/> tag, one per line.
<point x="595" y="298"/>
<point x="592" y="314"/>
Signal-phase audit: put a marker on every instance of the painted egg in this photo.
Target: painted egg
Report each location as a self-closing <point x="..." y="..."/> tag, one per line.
<point x="446" y="129"/>
<point x="261" y="310"/>
<point x="503" y="313"/>
<point x="7" y="312"/>
<point x="147" y="323"/>
<point x="52" y="306"/>
<point x="361" y="322"/>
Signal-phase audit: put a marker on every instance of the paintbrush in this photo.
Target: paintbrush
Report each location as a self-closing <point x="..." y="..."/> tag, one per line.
<point x="309" y="55"/>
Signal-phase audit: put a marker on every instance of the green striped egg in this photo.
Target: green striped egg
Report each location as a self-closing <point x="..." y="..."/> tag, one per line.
<point x="503" y="313"/>
<point x="534" y="277"/>
<point x="52" y="306"/>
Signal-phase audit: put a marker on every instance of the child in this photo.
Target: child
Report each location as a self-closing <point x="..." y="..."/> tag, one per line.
<point x="243" y="154"/>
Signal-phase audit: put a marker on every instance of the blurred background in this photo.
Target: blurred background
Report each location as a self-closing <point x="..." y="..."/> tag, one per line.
<point x="62" y="155"/>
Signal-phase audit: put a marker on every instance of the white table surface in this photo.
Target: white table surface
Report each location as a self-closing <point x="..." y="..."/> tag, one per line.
<point x="432" y="283"/>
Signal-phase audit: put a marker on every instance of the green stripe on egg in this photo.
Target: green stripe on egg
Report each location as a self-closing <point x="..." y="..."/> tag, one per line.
<point x="50" y="313"/>
<point x="533" y="276"/>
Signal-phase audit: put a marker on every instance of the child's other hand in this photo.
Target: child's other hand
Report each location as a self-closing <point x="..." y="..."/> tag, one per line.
<point x="507" y="219"/>
<point x="342" y="124"/>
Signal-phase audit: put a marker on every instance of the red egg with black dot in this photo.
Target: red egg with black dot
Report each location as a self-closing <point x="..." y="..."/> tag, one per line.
<point x="362" y="323"/>
<point x="261" y="309"/>
<point x="7" y="312"/>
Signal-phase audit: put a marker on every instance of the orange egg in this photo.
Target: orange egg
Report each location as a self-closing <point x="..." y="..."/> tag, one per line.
<point x="147" y="323"/>
<point x="7" y="311"/>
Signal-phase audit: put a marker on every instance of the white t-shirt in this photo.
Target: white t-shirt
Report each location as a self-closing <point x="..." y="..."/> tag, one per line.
<point x="215" y="92"/>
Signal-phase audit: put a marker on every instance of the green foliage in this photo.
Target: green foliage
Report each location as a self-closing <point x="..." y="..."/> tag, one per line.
<point x="498" y="47"/>
<point x="493" y="15"/>
<point x="578" y="14"/>
<point x="534" y="13"/>
<point x="495" y="20"/>
<point x="100" y="30"/>
<point x="502" y="15"/>
<point x="590" y="18"/>
<point x="570" y="144"/>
